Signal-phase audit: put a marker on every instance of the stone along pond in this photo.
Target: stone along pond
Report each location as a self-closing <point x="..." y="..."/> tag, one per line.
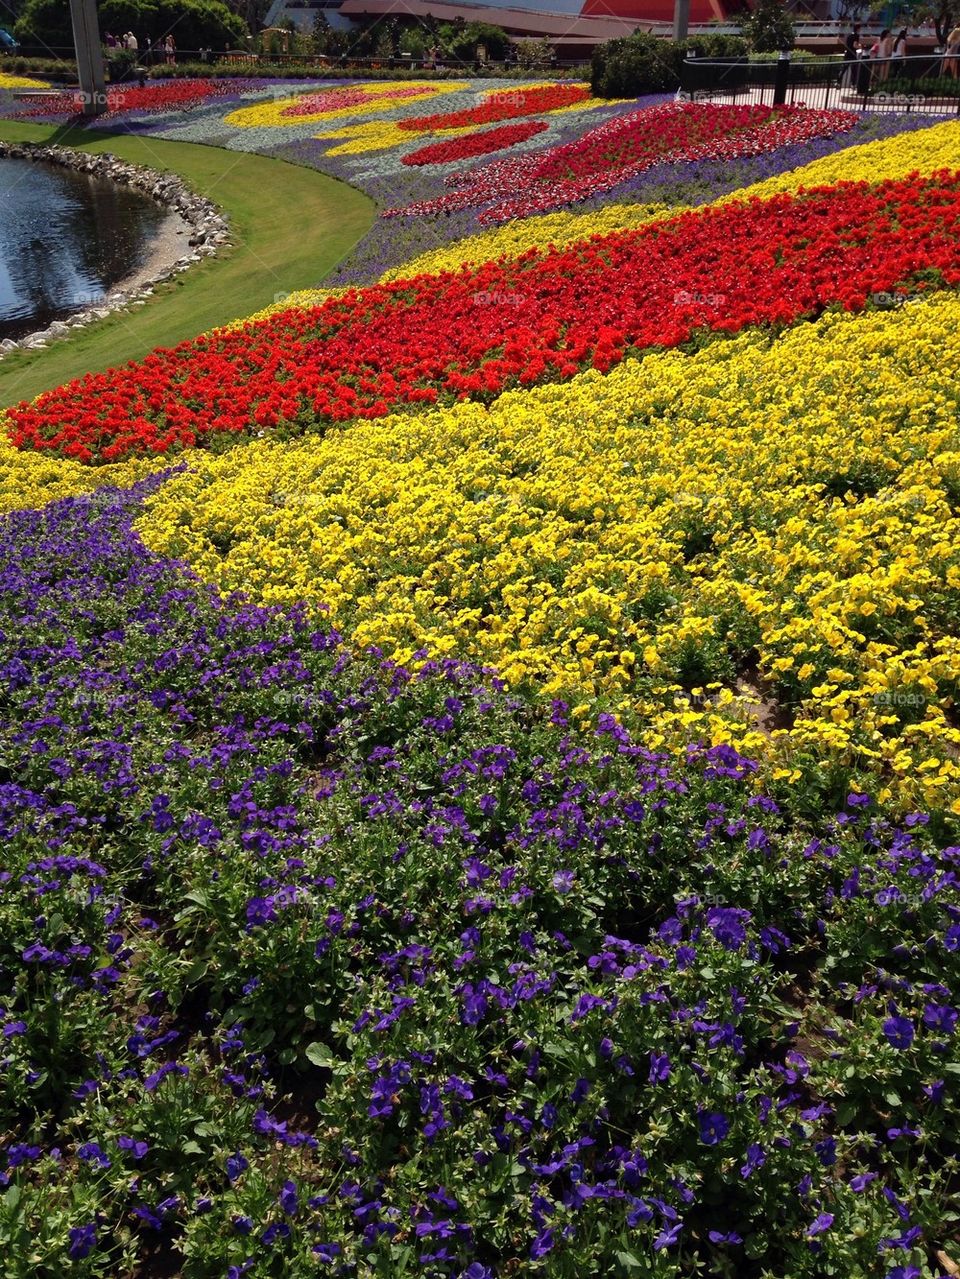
<point x="66" y="240"/>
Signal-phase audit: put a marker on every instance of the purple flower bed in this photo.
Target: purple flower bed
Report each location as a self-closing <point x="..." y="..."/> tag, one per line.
<point x="314" y="963"/>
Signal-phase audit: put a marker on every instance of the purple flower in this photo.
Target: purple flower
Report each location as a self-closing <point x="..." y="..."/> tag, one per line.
<point x="731" y="1236"/>
<point x="542" y="1244"/>
<point x="90" y="1152"/>
<point x="581" y="1090"/>
<point x="714" y="1126"/>
<point x="288" y="1199"/>
<point x="83" y="1239"/>
<point x="940" y="1017"/>
<point x="860" y="1182"/>
<point x="659" y="1068"/>
<point x="276" y="1230"/>
<point x="563" y="881"/>
<point x="899" y="1032"/>
<point x="755" y="1159"/>
<point x="137" y="1148"/>
<point x="668" y="1236"/>
<point x="820" y="1223"/>
<point x="727" y="925"/>
<point x="236" y="1164"/>
<point x="168" y="1068"/>
<point x="935" y="1091"/>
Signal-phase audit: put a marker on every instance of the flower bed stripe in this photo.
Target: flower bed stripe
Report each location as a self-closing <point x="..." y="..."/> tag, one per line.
<point x="541" y="317"/>
<point x="473" y="144"/>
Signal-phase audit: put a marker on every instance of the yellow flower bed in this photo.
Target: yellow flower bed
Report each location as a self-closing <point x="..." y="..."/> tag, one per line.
<point x="373" y="135"/>
<point x="385" y="95"/>
<point x="925" y="151"/>
<point x="513" y="238"/>
<point x="20" y="82"/>
<point x="381" y="135"/>
<point x="29" y="479"/>
<point x="758" y="542"/>
<point x="299" y="298"/>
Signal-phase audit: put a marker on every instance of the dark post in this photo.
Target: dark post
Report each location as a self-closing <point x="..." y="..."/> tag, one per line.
<point x="782" y="78"/>
<point x="681" y="19"/>
<point x="86" y="38"/>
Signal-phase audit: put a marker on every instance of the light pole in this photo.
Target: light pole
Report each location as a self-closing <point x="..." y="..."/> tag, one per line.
<point x="681" y="19"/>
<point x="86" y="39"/>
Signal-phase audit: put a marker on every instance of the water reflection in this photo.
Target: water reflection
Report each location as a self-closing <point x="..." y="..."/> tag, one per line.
<point x="65" y="239"/>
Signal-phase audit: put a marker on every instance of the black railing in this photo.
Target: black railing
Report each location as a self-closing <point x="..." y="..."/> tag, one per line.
<point x="927" y="82"/>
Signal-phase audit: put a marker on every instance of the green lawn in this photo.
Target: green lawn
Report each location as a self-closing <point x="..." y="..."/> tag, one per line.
<point x="290" y="226"/>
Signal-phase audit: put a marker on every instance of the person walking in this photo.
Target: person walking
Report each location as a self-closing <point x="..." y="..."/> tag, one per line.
<point x="170" y="51"/>
<point x="848" y="78"/>
<point x="951" y="55"/>
<point x="880" y="55"/>
<point x="900" y="54"/>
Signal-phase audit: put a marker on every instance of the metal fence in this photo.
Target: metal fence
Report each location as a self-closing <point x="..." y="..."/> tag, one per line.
<point x="925" y="83"/>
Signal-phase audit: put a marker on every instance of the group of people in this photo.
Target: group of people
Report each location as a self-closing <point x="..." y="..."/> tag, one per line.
<point x="870" y="65"/>
<point x="886" y="58"/>
<point x="164" y="50"/>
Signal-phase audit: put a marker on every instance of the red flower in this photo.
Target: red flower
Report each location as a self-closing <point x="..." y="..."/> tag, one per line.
<point x="509" y="104"/>
<point x="175" y="95"/>
<point x="541" y="316"/>
<point x="470" y="144"/>
<point x="623" y="147"/>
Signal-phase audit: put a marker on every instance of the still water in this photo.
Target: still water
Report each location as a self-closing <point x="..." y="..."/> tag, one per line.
<point x="65" y="239"/>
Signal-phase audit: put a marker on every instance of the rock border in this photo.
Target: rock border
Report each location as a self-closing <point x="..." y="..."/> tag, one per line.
<point x="208" y="229"/>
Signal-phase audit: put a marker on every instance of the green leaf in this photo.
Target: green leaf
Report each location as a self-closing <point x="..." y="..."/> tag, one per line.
<point x="845" y="1112"/>
<point x="629" y="1261"/>
<point x="320" y="1055"/>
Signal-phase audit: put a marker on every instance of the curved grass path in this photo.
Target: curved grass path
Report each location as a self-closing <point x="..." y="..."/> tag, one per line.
<point x="289" y="226"/>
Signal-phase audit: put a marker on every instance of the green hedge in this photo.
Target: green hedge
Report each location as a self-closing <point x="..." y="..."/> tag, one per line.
<point x="316" y="71"/>
<point x="643" y="63"/>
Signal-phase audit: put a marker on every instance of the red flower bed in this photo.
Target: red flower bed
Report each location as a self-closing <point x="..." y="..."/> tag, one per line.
<point x="337" y="99"/>
<point x="172" y="96"/>
<point x="623" y="147"/>
<point x="542" y="316"/>
<point x="471" y="144"/>
<point x="510" y="104"/>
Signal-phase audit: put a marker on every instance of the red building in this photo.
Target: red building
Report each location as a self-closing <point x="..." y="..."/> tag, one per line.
<point x="661" y="10"/>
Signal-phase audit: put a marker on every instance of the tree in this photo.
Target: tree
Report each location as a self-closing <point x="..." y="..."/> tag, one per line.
<point x="459" y="40"/>
<point x="768" y="27"/>
<point x="416" y="40"/>
<point x="532" y="54"/>
<point x="945" y="15"/>
<point x="45" y="25"/>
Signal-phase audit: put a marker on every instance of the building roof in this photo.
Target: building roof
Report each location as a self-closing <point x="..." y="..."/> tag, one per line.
<point x="521" y="22"/>
<point x="643" y="11"/>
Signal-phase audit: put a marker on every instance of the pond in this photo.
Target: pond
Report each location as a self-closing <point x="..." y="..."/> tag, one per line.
<point x="66" y="239"/>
